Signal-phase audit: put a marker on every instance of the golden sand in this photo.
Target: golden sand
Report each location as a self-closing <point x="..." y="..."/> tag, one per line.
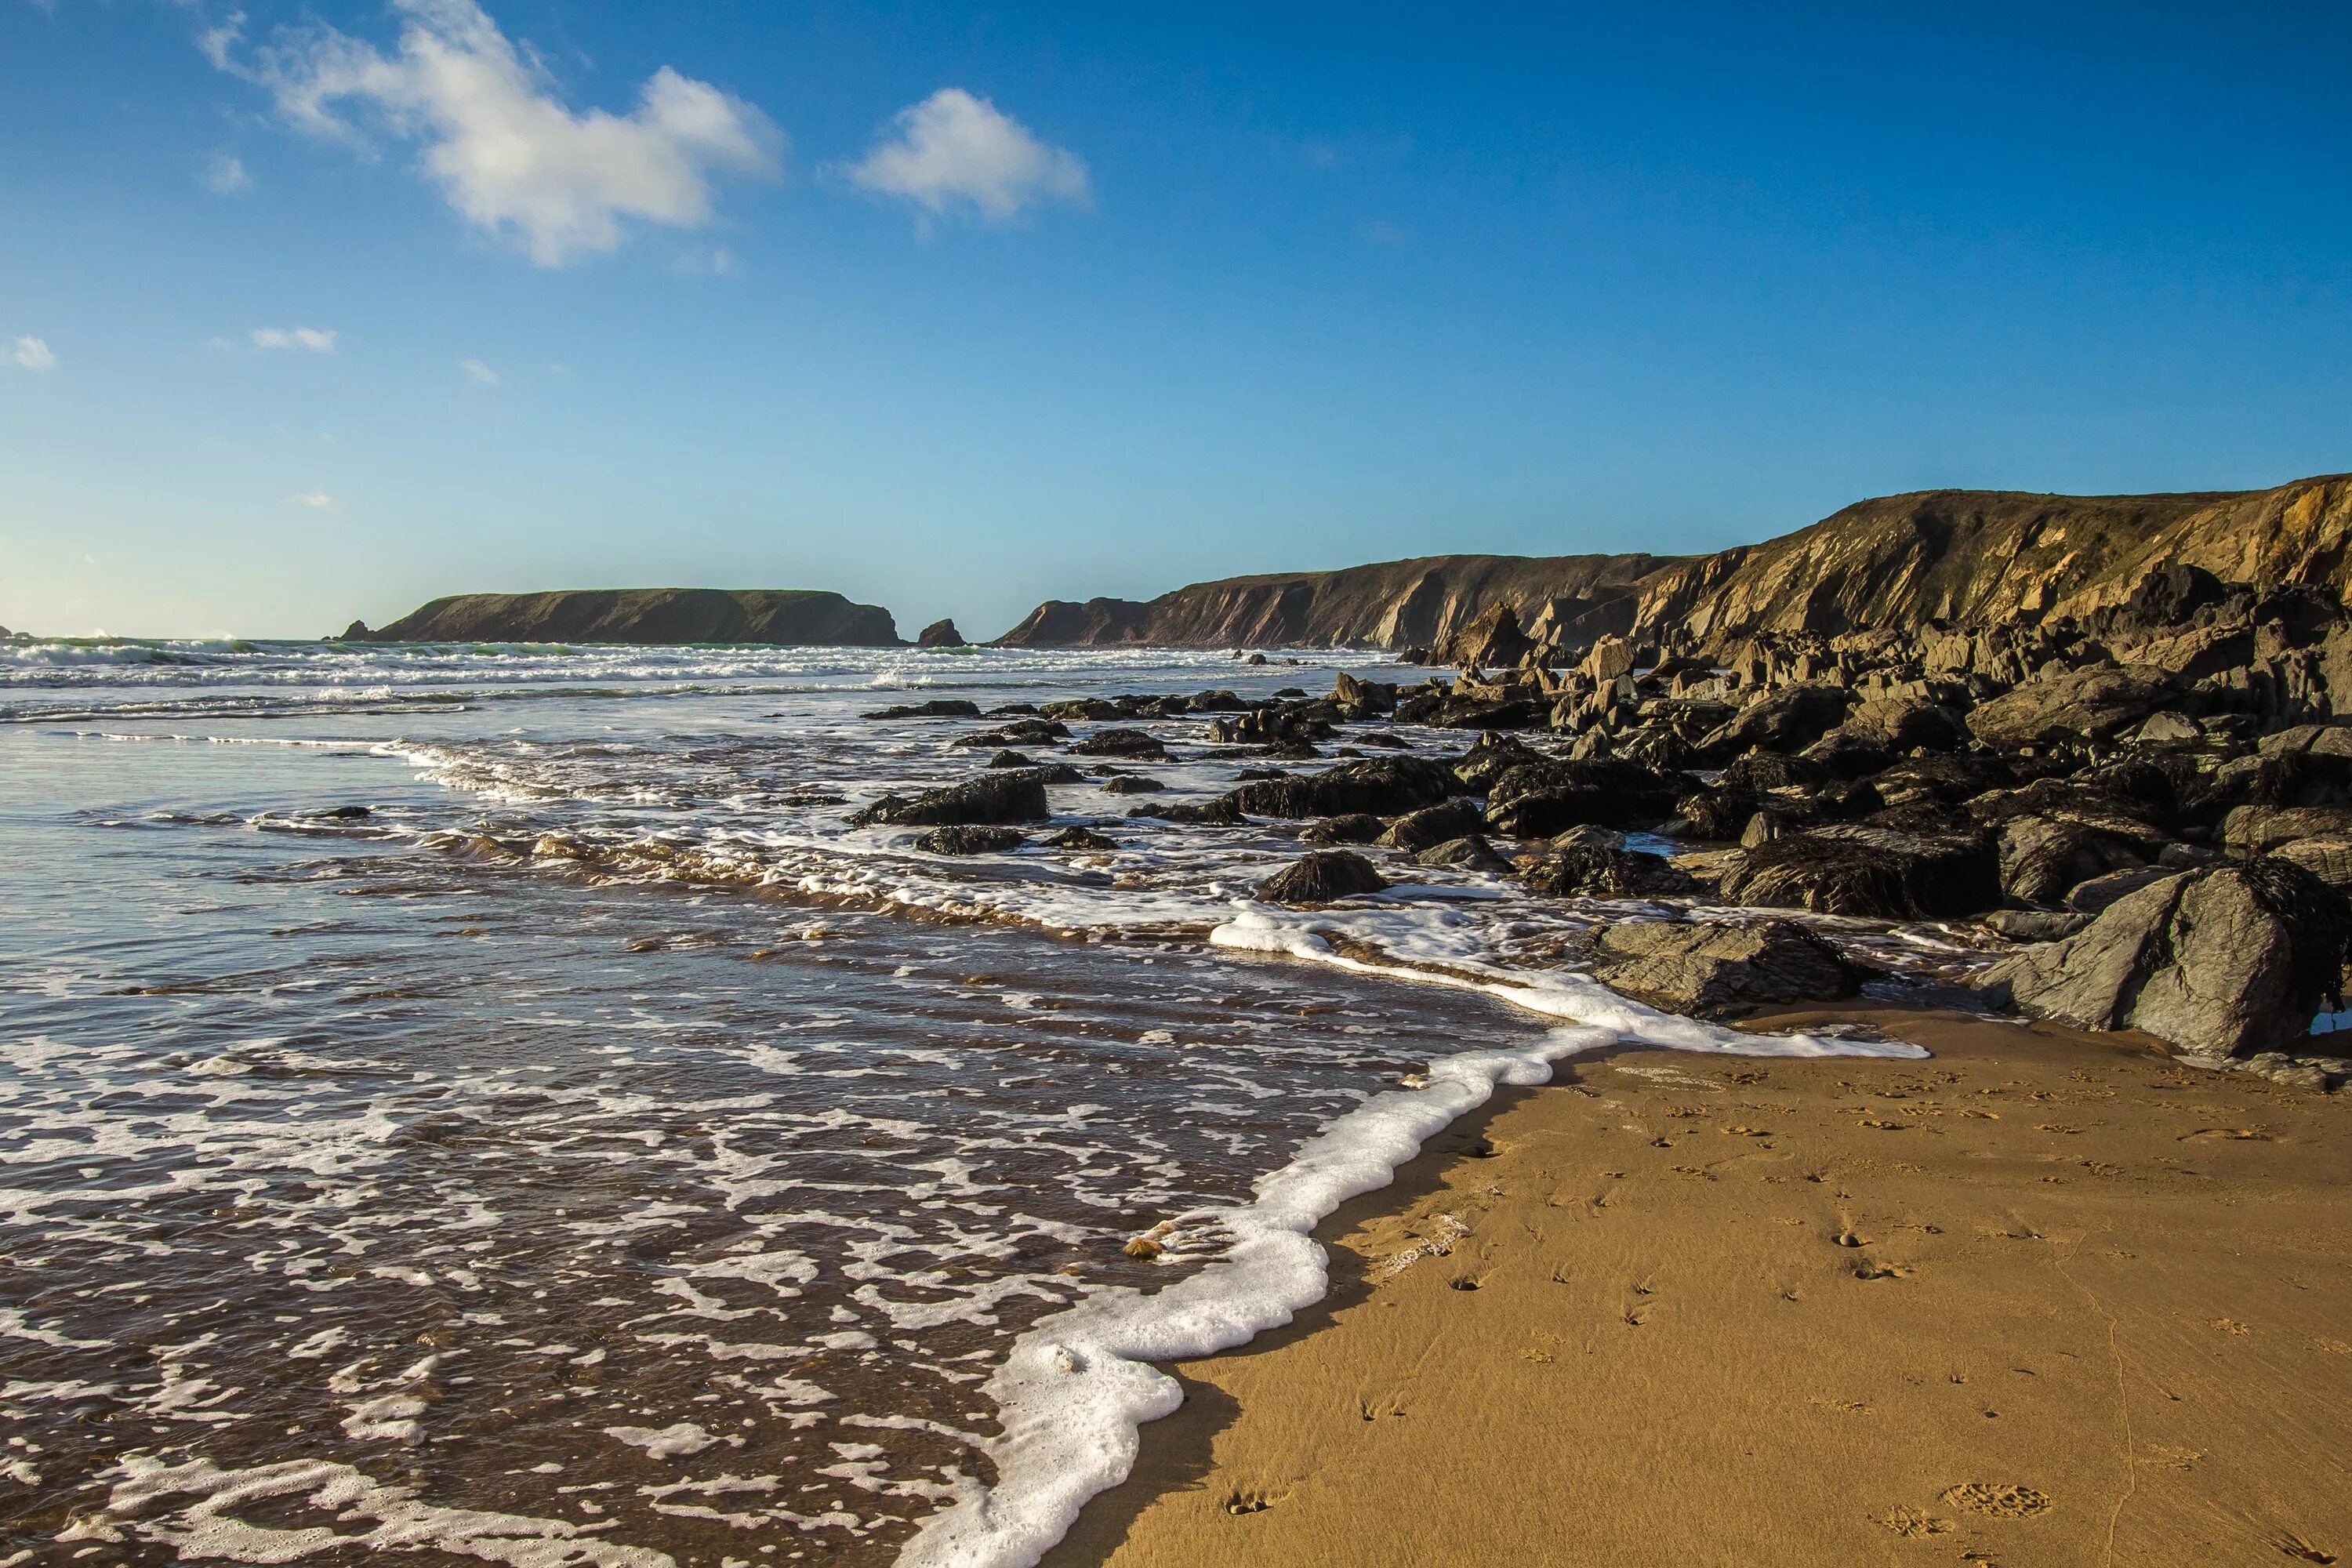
<point x="2046" y="1298"/>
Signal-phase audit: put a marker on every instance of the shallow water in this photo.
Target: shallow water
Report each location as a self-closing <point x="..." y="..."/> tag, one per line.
<point x="598" y="1153"/>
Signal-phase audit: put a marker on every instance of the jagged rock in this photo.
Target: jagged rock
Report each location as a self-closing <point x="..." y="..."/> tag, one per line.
<point x="2089" y="897"/>
<point x="1120" y="744"/>
<point x="2327" y="739"/>
<point x="1094" y="710"/>
<point x="1762" y="828"/>
<point x="1011" y="759"/>
<point x="2225" y="960"/>
<point x="1357" y="699"/>
<point x="2077" y="706"/>
<point x="1386" y="786"/>
<point x="1080" y="839"/>
<point x="1321" y="877"/>
<point x="971" y="840"/>
<point x="1904" y="724"/>
<point x="1417" y="830"/>
<point x="2327" y="857"/>
<point x="1715" y="815"/>
<point x="1011" y="796"/>
<point x="1220" y="812"/>
<point x="1490" y="756"/>
<point x="1131" y="783"/>
<point x="1536" y="800"/>
<point x="2261" y="830"/>
<point x="1848" y="870"/>
<point x="1592" y="872"/>
<point x="936" y="708"/>
<point x="1023" y="732"/>
<point x="941" y="634"/>
<point x="2167" y="729"/>
<point x="2036" y="925"/>
<point x="1491" y="641"/>
<point x="1786" y="720"/>
<point x="1760" y="771"/>
<point x="1717" y="970"/>
<point x="2043" y="857"/>
<point x="1611" y="658"/>
<point x="1847" y="755"/>
<point x="1471" y="852"/>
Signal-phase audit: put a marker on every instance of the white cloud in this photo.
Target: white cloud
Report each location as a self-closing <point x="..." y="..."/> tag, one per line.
<point x="309" y="340"/>
<point x="33" y="354"/>
<point x="507" y="153"/>
<point x="225" y="174"/>
<point x="954" y="148"/>
<point x="317" y="500"/>
<point x="477" y="370"/>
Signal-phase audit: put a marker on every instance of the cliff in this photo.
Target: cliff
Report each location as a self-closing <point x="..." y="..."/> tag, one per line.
<point x="1969" y="558"/>
<point x="788" y="617"/>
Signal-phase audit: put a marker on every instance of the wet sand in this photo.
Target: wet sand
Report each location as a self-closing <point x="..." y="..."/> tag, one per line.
<point x="2045" y="1298"/>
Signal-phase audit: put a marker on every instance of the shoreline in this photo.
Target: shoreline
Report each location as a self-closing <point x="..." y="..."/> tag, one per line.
<point x="2043" y="1297"/>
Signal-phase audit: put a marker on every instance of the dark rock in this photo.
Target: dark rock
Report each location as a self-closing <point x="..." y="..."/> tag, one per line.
<point x="1025" y="732"/>
<point x="1908" y="724"/>
<point x="2071" y="708"/>
<point x="936" y="708"/>
<point x="1471" y="852"/>
<point x="1011" y="796"/>
<point x="1381" y="739"/>
<point x="1132" y="783"/>
<point x="1357" y="827"/>
<point x="942" y="633"/>
<point x="1386" y="786"/>
<point x="1786" y="720"/>
<point x="2225" y="960"/>
<point x="1418" y="830"/>
<point x="1358" y="698"/>
<point x="346" y="813"/>
<point x="1717" y="816"/>
<point x="1120" y="744"/>
<point x="2042" y="858"/>
<point x="1590" y="871"/>
<point x="1219" y="812"/>
<point x="1846" y="755"/>
<point x="1717" y="970"/>
<point x="1848" y="870"/>
<point x="1320" y="877"/>
<point x="2036" y="925"/>
<point x="1760" y="771"/>
<point x="971" y="840"/>
<point x="1491" y="756"/>
<point x="1009" y="759"/>
<point x="1536" y="800"/>
<point x="1094" y="710"/>
<point x="1080" y="839"/>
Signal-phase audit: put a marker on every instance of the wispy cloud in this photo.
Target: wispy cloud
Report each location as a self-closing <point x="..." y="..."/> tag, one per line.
<point x="317" y="500"/>
<point x="308" y="339"/>
<point x="32" y="354"/>
<point x="955" y="149"/>
<point x="505" y="150"/>
<point x="226" y="175"/>
<point x="478" y="373"/>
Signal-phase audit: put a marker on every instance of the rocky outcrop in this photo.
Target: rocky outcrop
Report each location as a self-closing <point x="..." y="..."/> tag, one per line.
<point x="1016" y="796"/>
<point x="941" y="634"/>
<point x="779" y="617"/>
<point x="2229" y="959"/>
<point x="1963" y="559"/>
<point x="1865" y="870"/>
<point x="1320" y="877"/>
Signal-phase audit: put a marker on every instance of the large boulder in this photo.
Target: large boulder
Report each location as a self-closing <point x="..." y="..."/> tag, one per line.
<point x="1433" y="825"/>
<point x="1386" y="786"/>
<point x="1788" y="720"/>
<point x="2227" y="959"/>
<point x="1600" y="871"/>
<point x="2076" y="706"/>
<point x="1121" y="743"/>
<point x="1321" y="877"/>
<point x="2327" y="857"/>
<point x="1491" y="641"/>
<point x="1015" y="796"/>
<point x="2043" y="857"/>
<point x="1905" y="724"/>
<point x="2260" y="829"/>
<point x="1491" y="756"/>
<point x="971" y="840"/>
<point x="1471" y="852"/>
<point x="1852" y="869"/>
<point x="1536" y="800"/>
<point x="1715" y="971"/>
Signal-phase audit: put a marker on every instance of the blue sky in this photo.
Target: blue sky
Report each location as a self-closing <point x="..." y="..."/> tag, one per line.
<point x="316" y="312"/>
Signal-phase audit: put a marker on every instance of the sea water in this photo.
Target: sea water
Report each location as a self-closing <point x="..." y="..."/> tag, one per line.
<point x="597" y="1151"/>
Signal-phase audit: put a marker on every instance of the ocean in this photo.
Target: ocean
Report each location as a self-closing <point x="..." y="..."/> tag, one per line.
<point x="487" y="1103"/>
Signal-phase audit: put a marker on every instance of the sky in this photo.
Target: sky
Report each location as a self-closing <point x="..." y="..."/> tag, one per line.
<point x="310" y="312"/>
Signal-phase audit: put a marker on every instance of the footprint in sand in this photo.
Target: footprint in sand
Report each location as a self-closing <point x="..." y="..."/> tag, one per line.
<point x="1999" y="1501"/>
<point x="1915" y="1522"/>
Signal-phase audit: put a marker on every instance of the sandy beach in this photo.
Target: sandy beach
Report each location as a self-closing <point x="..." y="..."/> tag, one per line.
<point x="2045" y="1298"/>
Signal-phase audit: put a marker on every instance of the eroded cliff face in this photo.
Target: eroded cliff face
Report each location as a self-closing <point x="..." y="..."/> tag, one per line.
<point x="784" y="617"/>
<point x="1968" y="558"/>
